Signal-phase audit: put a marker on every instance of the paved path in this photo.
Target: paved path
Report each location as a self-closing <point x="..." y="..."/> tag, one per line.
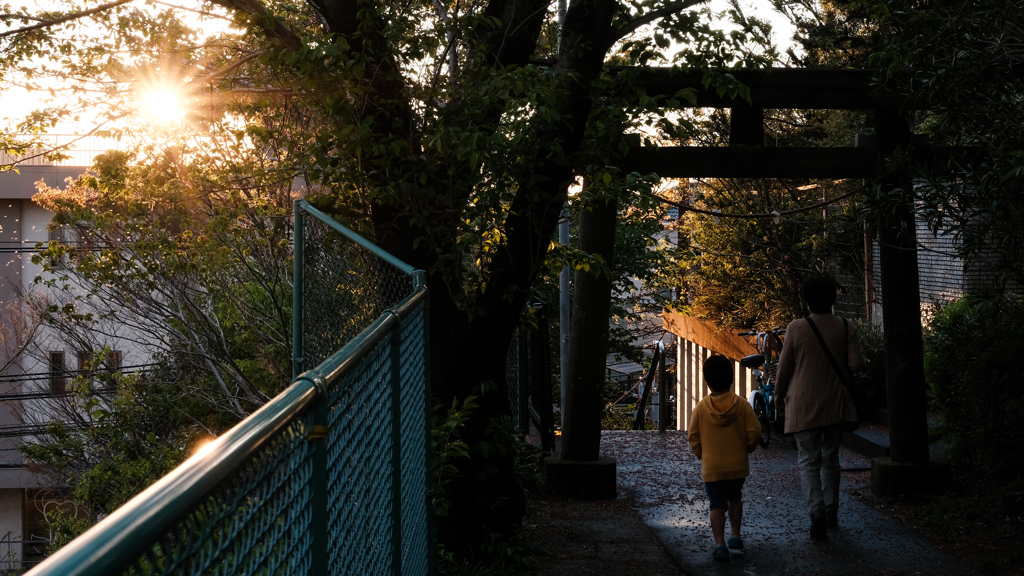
<point x="663" y="477"/>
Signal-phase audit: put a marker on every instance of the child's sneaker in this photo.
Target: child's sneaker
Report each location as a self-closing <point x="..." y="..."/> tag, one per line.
<point x="721" y="554"/>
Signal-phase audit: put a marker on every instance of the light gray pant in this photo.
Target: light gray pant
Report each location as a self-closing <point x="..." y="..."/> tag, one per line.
<point x="818" y="459"/>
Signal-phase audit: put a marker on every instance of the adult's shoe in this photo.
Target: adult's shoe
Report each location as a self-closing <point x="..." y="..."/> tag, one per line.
<point x="818" y="525"/>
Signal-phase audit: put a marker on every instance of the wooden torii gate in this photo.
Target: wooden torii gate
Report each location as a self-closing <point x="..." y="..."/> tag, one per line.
<point x="908" y="468"/>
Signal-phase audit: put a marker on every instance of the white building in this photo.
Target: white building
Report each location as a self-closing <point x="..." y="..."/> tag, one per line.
<point x="35" y="364"/>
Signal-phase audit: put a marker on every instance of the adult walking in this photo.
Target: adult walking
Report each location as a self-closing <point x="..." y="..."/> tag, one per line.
<point x="817" y="402"/>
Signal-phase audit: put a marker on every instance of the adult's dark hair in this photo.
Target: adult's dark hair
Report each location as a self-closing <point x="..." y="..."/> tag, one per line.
<point x="820" y="294"/>
<point x="718" y="373"/>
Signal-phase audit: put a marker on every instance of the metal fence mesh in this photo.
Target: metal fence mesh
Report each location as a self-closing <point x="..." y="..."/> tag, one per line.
<point x="512" y="381"/>
<point x="360" y="463"/>
<point x="347" y="287"/>
<point x="378" y="436"/>
<point x="256" y="523"/>
<point x="414" y="411"/>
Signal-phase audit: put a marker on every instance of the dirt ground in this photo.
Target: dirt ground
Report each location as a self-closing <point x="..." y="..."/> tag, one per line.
<point x="597" y="537"/>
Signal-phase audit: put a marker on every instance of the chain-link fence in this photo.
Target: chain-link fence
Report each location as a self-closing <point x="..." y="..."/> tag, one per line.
<point x="517" y="378"/>
<point x="330" y="477"/>
<point x="528" y="379"/>
<point x="346" y="287"/>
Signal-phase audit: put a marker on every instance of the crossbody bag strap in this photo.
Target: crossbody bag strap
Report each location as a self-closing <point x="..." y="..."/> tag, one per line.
<point x="828" y="353"/>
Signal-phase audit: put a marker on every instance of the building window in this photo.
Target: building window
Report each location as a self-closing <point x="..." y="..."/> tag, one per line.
<point x="104" y="372"/>
<point x="58" y="378"/>
<point x="84" y="359"/>
<point x="112" y="364"/>
<point x="57" y="235"/>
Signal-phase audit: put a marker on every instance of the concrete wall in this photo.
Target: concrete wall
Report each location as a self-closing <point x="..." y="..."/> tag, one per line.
<point x="12" y="526"/>
<point x="21" y="185"/>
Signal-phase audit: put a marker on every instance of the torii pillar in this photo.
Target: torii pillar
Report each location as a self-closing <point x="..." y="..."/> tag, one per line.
<point x="908" y="468"/>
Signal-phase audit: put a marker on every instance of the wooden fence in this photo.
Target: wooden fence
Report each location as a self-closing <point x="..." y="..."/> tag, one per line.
<point x="696" y="341"/>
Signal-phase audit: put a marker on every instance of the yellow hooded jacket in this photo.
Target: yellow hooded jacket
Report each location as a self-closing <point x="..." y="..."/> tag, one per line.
<point x="723" y="430"/>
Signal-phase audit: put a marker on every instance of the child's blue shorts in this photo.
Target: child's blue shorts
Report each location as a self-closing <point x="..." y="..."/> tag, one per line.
<point x="723" y="491"/>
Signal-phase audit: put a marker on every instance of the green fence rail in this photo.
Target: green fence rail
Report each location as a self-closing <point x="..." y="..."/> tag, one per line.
<point x="331" y="477"/>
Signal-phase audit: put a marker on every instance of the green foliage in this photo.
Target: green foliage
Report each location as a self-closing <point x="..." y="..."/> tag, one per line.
<point x="971" y="351"/>
<point x="872" y="376"/>
<point x="432" y="128"/>
<point x="197" y="269"/>
<point x="64" y="527"/>
<point x="499" y="554"/>
<point x="114" y="437"/>
<point x="833" y="33"/>
<point x="744" y="268"/>
<point x="188" y="265"/>
<point x="621" y="418"/>
<point x="747" y="272"/>
<point x="640" y="287"/>
<point x="447" y="448"/>
<point x="960" y="62"/>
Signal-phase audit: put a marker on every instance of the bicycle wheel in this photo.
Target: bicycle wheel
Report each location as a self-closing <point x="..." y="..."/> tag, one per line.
<point x="761" y="411"/>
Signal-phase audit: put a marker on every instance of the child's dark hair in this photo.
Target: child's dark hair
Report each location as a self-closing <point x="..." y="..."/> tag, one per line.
<point x="819" y="293"/>
<point x="718" y="373"/>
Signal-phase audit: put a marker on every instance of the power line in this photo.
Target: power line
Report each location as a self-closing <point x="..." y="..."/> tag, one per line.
<point x="689" y="208"/>
<point x="20" y="430"/>
<point x="72" y="373"/>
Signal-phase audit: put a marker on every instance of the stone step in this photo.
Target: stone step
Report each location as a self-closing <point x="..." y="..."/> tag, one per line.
<point x="870" y="440"/>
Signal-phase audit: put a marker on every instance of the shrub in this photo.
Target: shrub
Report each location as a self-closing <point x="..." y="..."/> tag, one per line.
<point x="500" y="554"/>
<point x="971" y="350"/>
<point x="872" y="376"/>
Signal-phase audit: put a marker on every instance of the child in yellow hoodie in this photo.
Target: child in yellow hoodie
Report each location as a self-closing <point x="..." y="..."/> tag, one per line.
<point x="723" y="431"/>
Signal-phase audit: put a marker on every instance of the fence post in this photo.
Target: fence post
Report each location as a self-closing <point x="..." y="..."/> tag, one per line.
<point x="395" y="354"/>
<point x="662" y="390"/>
<point x="523" y="380"/>
<point x="428" y="401"/>
<point x="298" y="281"/>
<point x="319" y="525"/>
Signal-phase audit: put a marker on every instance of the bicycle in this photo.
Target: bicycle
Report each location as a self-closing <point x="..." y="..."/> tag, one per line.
<point x="763" y="368"/>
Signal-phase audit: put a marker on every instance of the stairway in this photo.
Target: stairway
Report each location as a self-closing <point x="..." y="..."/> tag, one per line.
<point x="871" y="439"/>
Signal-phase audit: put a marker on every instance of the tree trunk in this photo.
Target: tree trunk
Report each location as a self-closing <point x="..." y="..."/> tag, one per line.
<point x="486" y="497"/>
<point x="588" y="347"/>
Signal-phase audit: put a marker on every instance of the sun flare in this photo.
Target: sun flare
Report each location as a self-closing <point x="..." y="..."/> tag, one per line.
<point x="203" y="448"/>
<point x="163" y="105"/>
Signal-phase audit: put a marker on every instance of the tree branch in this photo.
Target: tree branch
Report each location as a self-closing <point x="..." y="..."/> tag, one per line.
<point x="651" y="17"/>
<point x="263" y="19"/>
<point x="66" y="18"/>
<point x="223" y="71"/>
<point x="193" y="10"/>
<point x="67" y="145"/>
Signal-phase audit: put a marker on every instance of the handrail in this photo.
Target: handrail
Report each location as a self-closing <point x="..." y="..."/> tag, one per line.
<point x="119" y="539"/>
<point x="343" y="360"/>
<point x="657" y="367"/>
<point x="123" y="536"/>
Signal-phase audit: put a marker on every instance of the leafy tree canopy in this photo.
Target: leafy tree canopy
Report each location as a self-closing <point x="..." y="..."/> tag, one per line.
<point x="448" y="132"/>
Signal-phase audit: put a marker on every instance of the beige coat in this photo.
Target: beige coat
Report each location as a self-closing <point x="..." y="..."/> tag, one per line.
<point x="814" y="395"/>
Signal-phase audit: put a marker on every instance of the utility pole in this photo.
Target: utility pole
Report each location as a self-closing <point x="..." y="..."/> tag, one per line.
<point x="564" y="316"/>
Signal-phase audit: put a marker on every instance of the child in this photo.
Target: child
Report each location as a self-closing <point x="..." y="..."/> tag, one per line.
<point x="723" y="430"/>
